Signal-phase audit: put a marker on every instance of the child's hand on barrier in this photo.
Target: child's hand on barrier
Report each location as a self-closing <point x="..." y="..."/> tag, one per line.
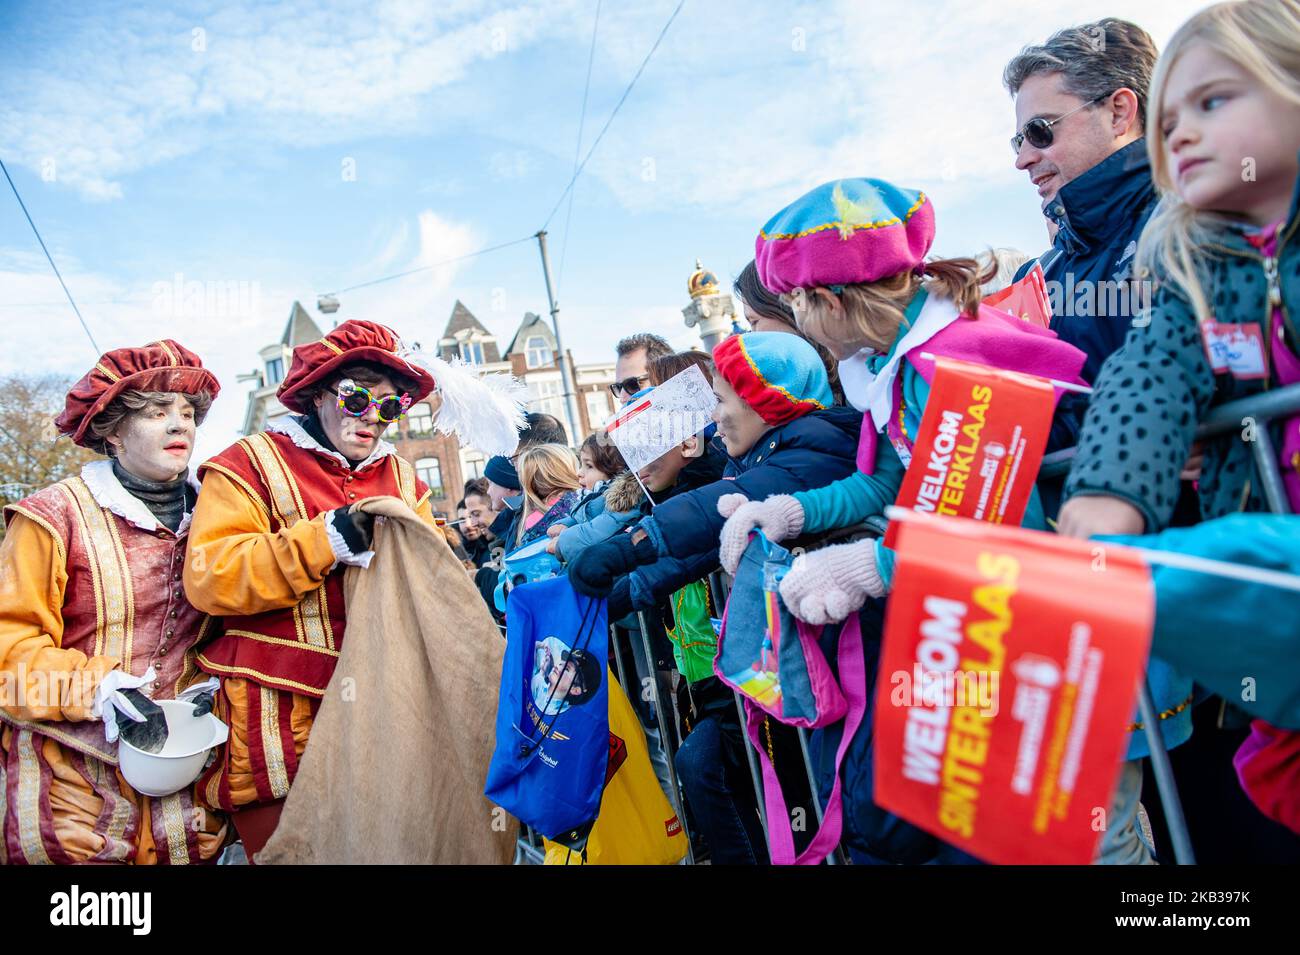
<point x="825" y="586"/>
<point x="780" y="517"/>
<point x="1091" y="514"/>
<point x="1195" y="462"/>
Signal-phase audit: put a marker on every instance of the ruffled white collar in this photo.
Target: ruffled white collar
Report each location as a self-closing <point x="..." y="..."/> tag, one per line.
<point x="874" y="391"/>
<point x="109" y="494"/>
<point x="290" y="428"/>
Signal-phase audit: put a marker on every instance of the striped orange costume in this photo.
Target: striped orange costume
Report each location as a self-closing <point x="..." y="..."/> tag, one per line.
<point x="91" y="582"/>
<point x="261" y="559"/>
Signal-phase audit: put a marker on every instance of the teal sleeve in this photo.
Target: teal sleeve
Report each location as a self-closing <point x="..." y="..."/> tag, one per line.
<point x="853" y="499"/>
<point x="885" y="564"/>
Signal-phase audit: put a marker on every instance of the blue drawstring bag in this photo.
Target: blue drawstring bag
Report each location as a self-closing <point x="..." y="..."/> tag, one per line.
<point x="552" y="729"/>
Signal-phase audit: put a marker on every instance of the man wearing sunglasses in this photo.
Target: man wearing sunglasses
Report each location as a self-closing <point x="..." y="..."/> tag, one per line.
<point x="1080" y="102"/>
<point x="631" y="371"/>
<point x="271" y="534"/>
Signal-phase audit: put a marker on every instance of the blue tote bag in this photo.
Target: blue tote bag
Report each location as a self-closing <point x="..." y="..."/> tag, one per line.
<point x="552" y="730"/>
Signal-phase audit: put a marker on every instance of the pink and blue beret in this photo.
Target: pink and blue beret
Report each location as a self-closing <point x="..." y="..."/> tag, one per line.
<point x="845" y="232"/>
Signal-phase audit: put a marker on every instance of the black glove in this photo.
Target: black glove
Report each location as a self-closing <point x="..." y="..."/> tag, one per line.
<point x="592" y="572"/>
<point x="357" y="528"/>
<point x="203" y="703"/>
<point x="619" y="603"/>
<point x="151" y="735"/>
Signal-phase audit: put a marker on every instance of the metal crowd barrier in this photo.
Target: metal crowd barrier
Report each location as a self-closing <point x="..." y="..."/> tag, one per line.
<point x="1239" y="415"/>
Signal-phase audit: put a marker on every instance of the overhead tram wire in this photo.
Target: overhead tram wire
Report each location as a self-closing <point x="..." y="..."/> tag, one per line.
<point x="435" y="265"/>
<point x="567" y="189"/>
<point x="49" y="258"/>
<point x="619" y="105"/>
<point x="577" y="150"/>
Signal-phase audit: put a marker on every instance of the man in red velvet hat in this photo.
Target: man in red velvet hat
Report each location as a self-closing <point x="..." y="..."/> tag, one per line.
<point x="94" y="622"/>
<point x="272" y="533"/>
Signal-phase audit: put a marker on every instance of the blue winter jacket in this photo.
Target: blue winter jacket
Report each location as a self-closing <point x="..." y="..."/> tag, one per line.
<point x="808" y="452"/>
<point x="1099" y="217"/>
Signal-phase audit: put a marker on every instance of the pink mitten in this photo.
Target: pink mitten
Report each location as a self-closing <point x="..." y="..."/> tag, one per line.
<point x="780" y="517"/>
<point x="829" y="584"/>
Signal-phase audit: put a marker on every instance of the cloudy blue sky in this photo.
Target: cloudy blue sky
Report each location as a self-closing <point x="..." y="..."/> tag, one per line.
<point x="299" y="148"/>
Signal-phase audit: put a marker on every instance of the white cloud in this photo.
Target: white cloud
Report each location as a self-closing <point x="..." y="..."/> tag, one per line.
<point x="126" y="93"/>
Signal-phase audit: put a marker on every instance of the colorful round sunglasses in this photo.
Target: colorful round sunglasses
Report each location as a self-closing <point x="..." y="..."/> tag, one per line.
<point x="356" y="401"/>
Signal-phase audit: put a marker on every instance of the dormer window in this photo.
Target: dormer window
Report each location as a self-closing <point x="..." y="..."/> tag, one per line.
<point x="471" y="353"/>
<point x="539" y="352"/>
<point x="274" y="371"/>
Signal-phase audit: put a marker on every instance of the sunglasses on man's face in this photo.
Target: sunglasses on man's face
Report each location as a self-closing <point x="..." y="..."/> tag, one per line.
<point x="1038" y="131"/>
<point x="356" y="401"/>
<point x="628" y="386"/>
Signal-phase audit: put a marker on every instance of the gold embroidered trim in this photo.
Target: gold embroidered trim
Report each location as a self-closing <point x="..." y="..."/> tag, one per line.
<point x="248" y="488"/>
<point x="260" y="678"/>
<point x="29" y="801"/>
<point x="1173" y="711"/>
<point x="49" y="528"/>
<point x="272" y="746"/>
<point x="281" y="641"/>
<point x="174" y="825"/>
<point x="114" y="602"/>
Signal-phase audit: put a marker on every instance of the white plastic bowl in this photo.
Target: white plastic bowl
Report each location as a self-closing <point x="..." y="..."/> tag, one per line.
<point x="189" y="740"/>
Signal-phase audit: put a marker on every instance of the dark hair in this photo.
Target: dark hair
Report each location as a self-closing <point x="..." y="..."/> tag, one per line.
<point x="367" y="375"/>
<point x="655" y="347"/>
<point x="1095" y="60"/>
<point x="607" y="458"/>
<point x="460" y="504"/>
<point x="476" y="487"/>
<point x="756" y="295"/>
<point x="586" y="676"/>
<point x="127" y="403"/>
<point x="759" y="299"/>
<point x="541" y="429"/>
<point x="661" y="369"/>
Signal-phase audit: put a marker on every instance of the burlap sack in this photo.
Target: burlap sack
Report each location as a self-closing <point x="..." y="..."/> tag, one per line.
<point x="395" y="768"/>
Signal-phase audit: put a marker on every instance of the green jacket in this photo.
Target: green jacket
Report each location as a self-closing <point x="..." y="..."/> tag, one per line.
<point x="1152" y="393"/>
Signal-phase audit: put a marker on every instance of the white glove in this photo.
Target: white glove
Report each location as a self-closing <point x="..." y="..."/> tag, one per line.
<point x="780" y="517"/>
<point x="829" y="584"/>
<point x="109" y="700"/>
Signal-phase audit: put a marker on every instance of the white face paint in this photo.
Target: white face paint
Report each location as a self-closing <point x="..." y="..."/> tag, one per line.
<point x="355" y="438"/>
<point x="155" y="443"/>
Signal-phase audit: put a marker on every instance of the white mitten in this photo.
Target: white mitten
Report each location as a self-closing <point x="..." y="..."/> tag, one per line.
<point x="780" y="517"/>
<point x="829" y="584"/>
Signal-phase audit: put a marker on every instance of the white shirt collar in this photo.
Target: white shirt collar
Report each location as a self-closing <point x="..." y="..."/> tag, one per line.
<point x="290" y="428"/>
<point x="109" y="494"/>
<point x="873" y="392"/>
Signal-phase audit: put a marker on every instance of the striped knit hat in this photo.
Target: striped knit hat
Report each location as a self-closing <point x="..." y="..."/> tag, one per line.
<point x="779" y="375"/>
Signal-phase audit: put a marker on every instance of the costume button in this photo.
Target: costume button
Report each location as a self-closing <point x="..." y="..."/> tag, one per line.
<point x="173" y="613"/>
<point x="162" y="652"/>
<point x="348" y="478"/>
<point x="170" y="632"/>
<point x="350" y="494"/>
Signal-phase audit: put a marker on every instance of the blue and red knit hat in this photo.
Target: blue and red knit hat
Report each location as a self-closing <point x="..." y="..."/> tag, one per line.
<point x="779" y="375"/>
<point x="845" y="232"/>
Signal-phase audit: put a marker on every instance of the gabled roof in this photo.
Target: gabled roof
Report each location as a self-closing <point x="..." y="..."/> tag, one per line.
<point x="530" y="321"/>
<point x="462" y="319"/>
<point x="300" y="328"/>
